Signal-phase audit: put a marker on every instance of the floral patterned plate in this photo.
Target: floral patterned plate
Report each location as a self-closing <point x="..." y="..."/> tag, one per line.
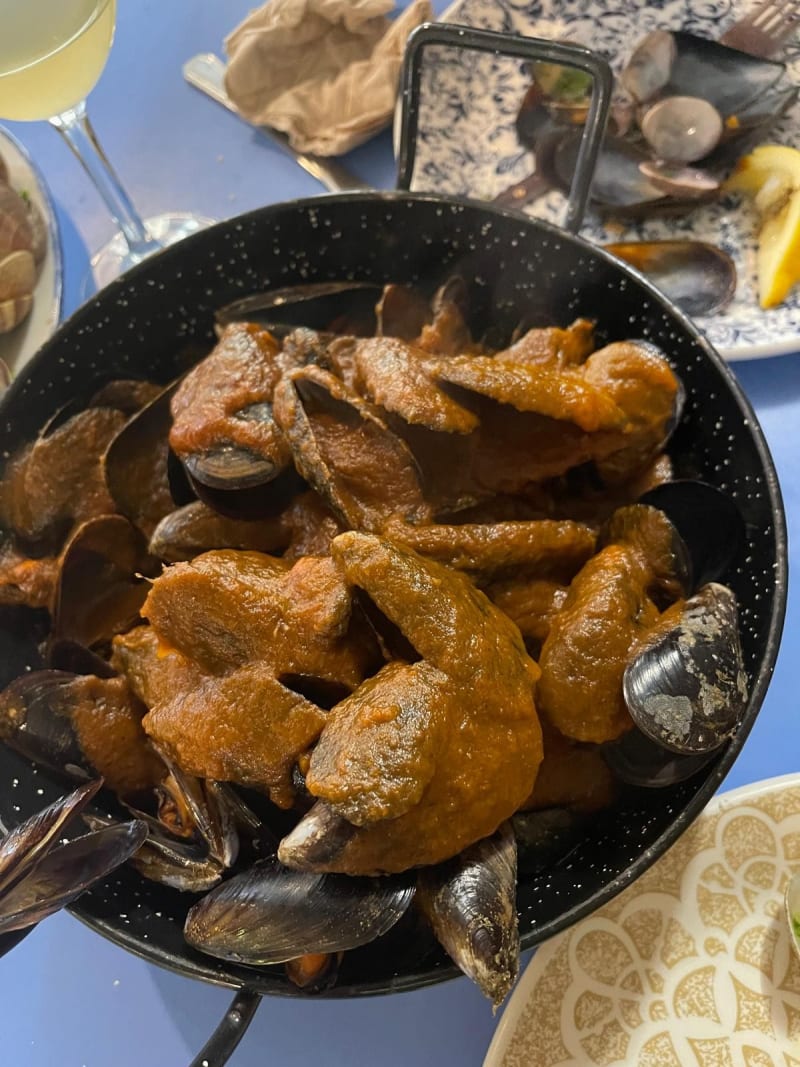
<point x="691" y="966"/>
<point x="467" y="145"/>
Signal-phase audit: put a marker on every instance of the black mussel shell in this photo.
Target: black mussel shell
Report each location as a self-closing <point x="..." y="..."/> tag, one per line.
<point x="636" y="760"/>
<point x="687" y="690"/>
<point x="470" y="902"/>
<point x="269" y="914"/>
<point x="34" y="721"/>
<point x="708" y="522"/>
<point x="25" y="846"/>
<point x="67" y="871"/>
<point x="339" y="306"/>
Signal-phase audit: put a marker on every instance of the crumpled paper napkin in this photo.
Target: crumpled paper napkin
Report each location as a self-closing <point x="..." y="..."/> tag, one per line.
<point x="323" y="71"/>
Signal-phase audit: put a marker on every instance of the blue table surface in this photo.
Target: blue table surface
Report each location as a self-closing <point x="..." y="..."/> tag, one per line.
<point x="68" y="997"/>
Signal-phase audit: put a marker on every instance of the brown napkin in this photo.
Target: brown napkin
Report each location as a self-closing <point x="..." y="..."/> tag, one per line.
<point x="323" y="71"/>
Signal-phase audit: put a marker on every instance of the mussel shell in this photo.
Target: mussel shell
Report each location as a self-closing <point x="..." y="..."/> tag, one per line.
<point x="210" y="814"/>
<point x="100" y="590"/>
<point x="346" y="306"/>
<point x="67" y="871"/>
<point x="649" y="68"/>
<point x="182" y="865"/>
<point x="687" y="690"/>
<point x="708" y="522"/>
<point x="470" y="902"/>
<point x="230" y="467"/>
<point x="66" y="655"/>
<point x="141" y="447"/>
<point x="698" y="277"/>
<point x="725" y="77"/>
<point x="319" y="836"/>
<point x="34" y="721"/>
<point x="636" y="760"/>
<point x="25" y="846"/>
<point x="264" y="494"/>
<point x="618" y="182"/>
<point x="402" y="311"/>
<point x="269" y="914"/>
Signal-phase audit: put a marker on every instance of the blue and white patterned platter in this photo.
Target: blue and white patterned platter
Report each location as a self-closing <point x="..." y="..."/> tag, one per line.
<point x="467" y="145"/>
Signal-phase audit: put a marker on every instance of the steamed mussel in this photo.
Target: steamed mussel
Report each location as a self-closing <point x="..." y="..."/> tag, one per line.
<point x="356" y="683"/>
<point x="686" y="108"/>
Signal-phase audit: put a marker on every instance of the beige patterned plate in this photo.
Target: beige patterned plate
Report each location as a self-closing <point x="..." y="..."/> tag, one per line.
<point x="691" y="966"/>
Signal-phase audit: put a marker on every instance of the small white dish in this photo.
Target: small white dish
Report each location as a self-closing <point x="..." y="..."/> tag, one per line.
<point x="692" y="964"/>
<point x="17" y="346"/>
<point x="467" y="145"/>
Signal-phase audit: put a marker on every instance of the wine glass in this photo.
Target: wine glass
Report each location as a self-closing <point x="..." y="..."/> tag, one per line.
<point x="52" y="53"/>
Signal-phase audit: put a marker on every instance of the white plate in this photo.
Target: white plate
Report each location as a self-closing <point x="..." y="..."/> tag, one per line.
<point x="467" y="145"/>
<point x="17" y="347"/>
<point x="690" y="965"/>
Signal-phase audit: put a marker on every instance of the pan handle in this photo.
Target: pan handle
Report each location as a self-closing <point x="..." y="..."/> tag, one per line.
<point x="220" y="1046"/>
<point x="532" y="48"/>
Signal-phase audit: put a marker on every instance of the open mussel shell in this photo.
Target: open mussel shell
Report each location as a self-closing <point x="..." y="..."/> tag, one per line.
<point x="470" y="902"/>
<point x="402" y="311"/>
<point x="66" y="655"/>
<point x="25" y="846"/>
<point x="135" y="463"/>
<point x="67" y="871"/>
<point x="341" y="306"/>
<point x="35" y="721"/>
<point x="687" y="690"/>
<point x="269" y="914"/>
<point x="619" y="183"/>
<point x="667" y="63"/>
<point x="182" y="865"/>
<point x="210" y="813"/>
<point x="100" y="590"/>
<point x="638" y="761"/>
<point x="699" y="277"/>
<point x="708" y="522"/>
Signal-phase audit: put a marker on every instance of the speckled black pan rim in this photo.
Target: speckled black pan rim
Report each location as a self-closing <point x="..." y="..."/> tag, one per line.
<point x="262" y="982"/>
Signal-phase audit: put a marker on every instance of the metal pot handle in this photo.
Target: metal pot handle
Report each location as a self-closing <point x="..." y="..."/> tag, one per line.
<point x="531" y="48"/>
<point x="220" y="1046"/>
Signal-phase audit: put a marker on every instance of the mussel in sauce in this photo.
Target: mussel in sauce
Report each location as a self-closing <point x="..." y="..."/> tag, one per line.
<point x="418" y="620"/>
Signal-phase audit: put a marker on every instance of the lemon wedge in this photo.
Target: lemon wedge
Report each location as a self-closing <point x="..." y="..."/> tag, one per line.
<point x="770" y="175"/>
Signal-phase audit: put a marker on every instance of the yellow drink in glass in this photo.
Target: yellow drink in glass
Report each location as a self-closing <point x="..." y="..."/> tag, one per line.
<point x="51" y="54"/>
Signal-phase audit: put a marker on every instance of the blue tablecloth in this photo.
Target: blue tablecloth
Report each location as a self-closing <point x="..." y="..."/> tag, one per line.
<point x="69" y="998"/>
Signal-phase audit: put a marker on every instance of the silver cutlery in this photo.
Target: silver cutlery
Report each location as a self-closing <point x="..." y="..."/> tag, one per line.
<point x="765" y="29"/>
<point x="206" y="72"/>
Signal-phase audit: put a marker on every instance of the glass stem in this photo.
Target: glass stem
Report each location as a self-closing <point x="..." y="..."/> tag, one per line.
<point x="75" y="128"/>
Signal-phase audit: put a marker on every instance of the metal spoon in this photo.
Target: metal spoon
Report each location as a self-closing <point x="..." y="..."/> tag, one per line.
<point x="791" y="901"/>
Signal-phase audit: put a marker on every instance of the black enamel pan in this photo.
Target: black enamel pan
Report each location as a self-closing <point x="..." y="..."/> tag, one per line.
<point x="160" y="315"/>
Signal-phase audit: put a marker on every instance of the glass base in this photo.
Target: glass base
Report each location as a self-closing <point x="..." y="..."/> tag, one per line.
<point x="115" y="258"/>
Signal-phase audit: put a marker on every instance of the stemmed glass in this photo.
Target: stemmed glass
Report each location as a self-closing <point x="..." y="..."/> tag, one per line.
<point x="52" y="53"/>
